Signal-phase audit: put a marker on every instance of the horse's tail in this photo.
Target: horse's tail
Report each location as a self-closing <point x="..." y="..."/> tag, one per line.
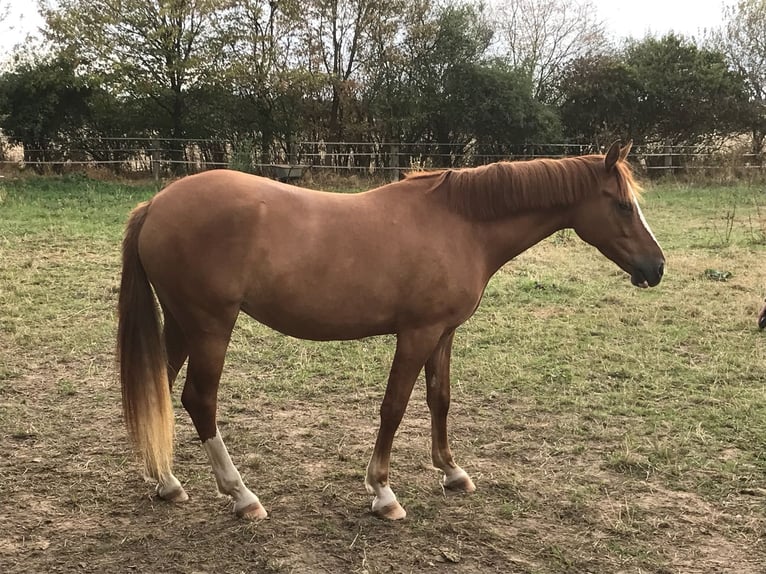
<point x="146" y="400"/>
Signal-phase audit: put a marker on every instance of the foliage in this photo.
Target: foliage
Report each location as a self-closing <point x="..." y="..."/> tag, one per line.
<point x="494" y="105"/>
<point x="599" y="100"/>
<point x="42" y="101"/>
<point x="337" y="36"/>
<point x="542" y="37"/>
<point x="144" y="49"/>
<point x="688" y="92"/>
<point x="439" y="76"/>
<point x="741" y="39"/>
<point x="242" y="157"/>
<point x="659" y="90"/>
<point x="254" y="95"/>
<point x="458" y="37"/>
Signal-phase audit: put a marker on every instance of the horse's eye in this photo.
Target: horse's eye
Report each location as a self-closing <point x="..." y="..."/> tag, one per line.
<point x="626" y="206"/>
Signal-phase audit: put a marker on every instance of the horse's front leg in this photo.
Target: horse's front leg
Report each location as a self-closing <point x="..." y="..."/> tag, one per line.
<point x="438" y="397"/>
<point x="412" y="350"/>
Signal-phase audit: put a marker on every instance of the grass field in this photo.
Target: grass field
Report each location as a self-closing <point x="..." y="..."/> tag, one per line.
<point x="607" y="428"/>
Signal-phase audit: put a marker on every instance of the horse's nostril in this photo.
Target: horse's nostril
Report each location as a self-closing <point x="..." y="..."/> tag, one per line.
<point x="661" y="269"/>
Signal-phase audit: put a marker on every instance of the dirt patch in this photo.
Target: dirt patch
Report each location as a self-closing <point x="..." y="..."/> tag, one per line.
<point x="73" y="500"/>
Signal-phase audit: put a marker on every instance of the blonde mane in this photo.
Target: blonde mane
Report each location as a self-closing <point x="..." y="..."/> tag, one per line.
<point x="498" y="189"/>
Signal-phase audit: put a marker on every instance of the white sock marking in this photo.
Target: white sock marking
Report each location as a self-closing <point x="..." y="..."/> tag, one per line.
<point x="384" y="497"/>
<point x="453" y="474"/>
<point x="227" y="476"/>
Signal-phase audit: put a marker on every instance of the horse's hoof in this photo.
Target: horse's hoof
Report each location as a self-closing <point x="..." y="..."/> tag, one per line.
<point x="254" y="511"/>
<point x="459" y="482"/>
<point x="391" y="511"/>
<point x="174" y="495"/>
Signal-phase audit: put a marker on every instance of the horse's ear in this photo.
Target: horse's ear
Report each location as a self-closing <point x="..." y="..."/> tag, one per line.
<point x="612" y="156"/>
<point x="626" y="150"/>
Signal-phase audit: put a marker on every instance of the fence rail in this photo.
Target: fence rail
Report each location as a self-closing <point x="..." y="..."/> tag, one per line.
<point x="160" y="157"/>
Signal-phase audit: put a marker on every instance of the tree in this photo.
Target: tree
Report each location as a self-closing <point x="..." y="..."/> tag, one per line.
<point x="43" y="105"/>
<point x="688" y="93"/>
<point x="439" y="87"/>
<point x="260" y="58"/>
<point x="337" y="34"/>
<point x="742" y="40"/>
<point x="541" y="38"/>
<point x="154" y="49"/>
<point x="601" y="101"/>
<point x="493" y="105"/>
<point x="454" y="37"/>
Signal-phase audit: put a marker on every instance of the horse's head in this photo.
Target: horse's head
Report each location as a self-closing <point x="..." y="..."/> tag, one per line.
<point x="611" y="221"/>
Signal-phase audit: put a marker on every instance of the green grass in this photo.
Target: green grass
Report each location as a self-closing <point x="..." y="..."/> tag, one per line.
<point x="569" y="384"/>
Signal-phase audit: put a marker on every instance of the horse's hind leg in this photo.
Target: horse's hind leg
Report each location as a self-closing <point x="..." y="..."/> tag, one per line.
<point x="207" y="351"/>
<point x="438" y="397"/>
<point x="176" y="347"/>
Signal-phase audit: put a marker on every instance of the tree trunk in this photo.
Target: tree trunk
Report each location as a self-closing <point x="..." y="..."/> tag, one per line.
<point x="176" y="147"/>
<point x="336" y="113"/>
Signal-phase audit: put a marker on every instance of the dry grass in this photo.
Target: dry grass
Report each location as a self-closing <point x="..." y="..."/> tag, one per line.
<point x="608" y="429"/>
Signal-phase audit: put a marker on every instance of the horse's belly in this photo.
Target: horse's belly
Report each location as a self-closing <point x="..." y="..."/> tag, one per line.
<point x="326" y="324"/>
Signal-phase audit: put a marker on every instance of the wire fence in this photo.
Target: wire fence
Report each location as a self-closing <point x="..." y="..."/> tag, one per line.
<point x="290" y="160"/>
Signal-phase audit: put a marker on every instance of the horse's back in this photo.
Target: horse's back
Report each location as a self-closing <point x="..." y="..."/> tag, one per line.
<point x="227" y="191"/>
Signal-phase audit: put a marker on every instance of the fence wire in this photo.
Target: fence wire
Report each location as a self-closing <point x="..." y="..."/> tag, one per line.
<point x="178" y="156"/>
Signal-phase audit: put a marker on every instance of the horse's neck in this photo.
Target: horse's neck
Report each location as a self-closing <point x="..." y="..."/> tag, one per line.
<point x="505" y="238"/>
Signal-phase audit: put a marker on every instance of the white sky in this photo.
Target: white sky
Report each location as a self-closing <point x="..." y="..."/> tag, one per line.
<point x="623" y="18"/>
<point x="22" y="20"/>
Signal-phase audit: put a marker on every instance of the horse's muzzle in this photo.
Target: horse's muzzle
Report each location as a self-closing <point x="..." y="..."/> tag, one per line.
<point x="648" y="275"/>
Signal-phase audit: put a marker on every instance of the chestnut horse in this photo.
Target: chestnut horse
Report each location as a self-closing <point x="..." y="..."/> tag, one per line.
<point x="410" y="258"/>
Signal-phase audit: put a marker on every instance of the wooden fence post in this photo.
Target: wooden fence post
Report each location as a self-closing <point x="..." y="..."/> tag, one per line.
<point x="668" y="151"/>
<point x="394" y="163"/>
<point x="155" y="159"/>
